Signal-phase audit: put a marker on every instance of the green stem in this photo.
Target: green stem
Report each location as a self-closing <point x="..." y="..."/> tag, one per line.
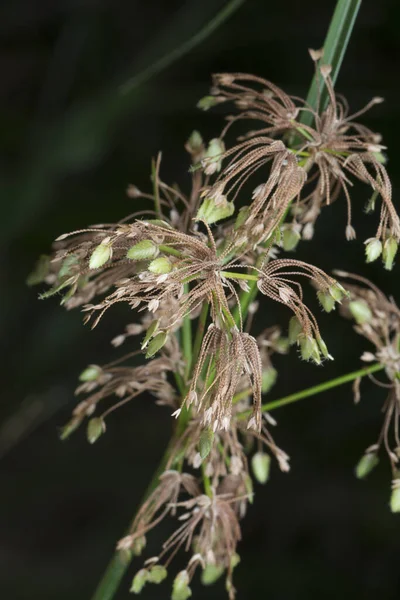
<point x="317" y="389"/>
<point x="187" y="338"/>
<point x="335" y="45"/>
<point x="169" y="250"/>
<point x="231" y="275"/>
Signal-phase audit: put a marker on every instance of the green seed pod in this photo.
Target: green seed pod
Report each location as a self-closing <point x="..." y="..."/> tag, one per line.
<point x="95" y="428"/>
<point x="366" y="464"/>
<point x="242" y="217"/>
<point x="389" y="252"/>
<point x="67" y="263"/>
<point x="235" y="560"/>
<point x="211" y="574"/>
<point x="326" y="300"/>
<point x="157" y="574"/>
<point x="206" y="443"/>
<point x="282" y="345"/>
<point x="360" y="311"/>
<point x="207" y="102"/>
<point x="268" y="379"/>
<point x="69" y="428"/>
<point x="91" y="373"/>
<point x="295" y="329"/>
<point x="100" y="255"/>
<point x="139" y="581"/>
<point x="195" y="142"/>
<point x="212" y="161"/>
<point x="156" y="344"/>
<point x="290" y="239"/>
<point x="323" y="348"/>
<point x="373" y="249"/>
<point x="260" y="464"/>
<point x="181" y="589"/>
<point x="211" y="211"/>
<point x="40" y="271"/>
<point x="144" y="250"/>
<point x="151" y="331"/>
<point x="309" y="348"/>
<point x="395" y="497"/>
<point x="160" y="266"/>
<point x="338" y="292"/>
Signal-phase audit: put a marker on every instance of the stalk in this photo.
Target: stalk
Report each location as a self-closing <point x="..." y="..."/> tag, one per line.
<point x="316" y="389"/>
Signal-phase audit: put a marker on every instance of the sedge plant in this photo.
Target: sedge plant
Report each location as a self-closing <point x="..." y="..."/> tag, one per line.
<point x="191" y="270"/>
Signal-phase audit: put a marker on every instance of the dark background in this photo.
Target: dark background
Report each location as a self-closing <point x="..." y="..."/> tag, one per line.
<point x="70" y="144"/>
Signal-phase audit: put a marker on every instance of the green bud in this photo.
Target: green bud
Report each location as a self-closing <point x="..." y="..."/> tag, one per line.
<point x="68" y="262"/>
<point x="290" y="239"/>
<point x="282" y="345"/>
<point x="380" y="157"/>
<point x="139" y="581"/>
<point x="338" y="292"/>
<point x="395" y="497"/>
<point x="366" y="464"/>
<point x="211" y="211"/>
<point x="235" y="560"/>
<point x="69" y="428"/>
<point x="268" y="379"/>
<point x="40" y="271"/>
<point x="360" y="311"/>
<point x="309" y="348"/>
<point x="100" y="255"/>
<point x="260" y="463"/>
<point x="157" y="574"/>
<point x="95" y="428"/>
<point x="181" y="589"/>
<point x="326" y="300"/>
<point x="156" y="344"/>
<point x="91" y="373"/>
<point x="160" y="265"/>
<point x="151" y="331"/>
<point x="295" y="329"/>
<point x="389" y="252"/>
<point x="207" y="102"/>
<point x="323" y="348"/>
<point x="144" y="250"/>
<point x="242" y="217"/>
<point x="195" y="142"/>
<point x="206" y="443"/>
<point x="373" y="249"/>
<point x="212" y="161"/>
<point x="211" y="574"/>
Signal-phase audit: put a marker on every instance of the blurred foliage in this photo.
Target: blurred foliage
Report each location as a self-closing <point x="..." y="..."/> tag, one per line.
<point x="71" y="141"/>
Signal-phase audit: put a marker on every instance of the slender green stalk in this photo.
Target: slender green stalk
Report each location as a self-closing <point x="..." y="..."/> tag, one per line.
<point x="156" y="191"/>
<point x="335" y="45"/>
<point x="317" y="389"/>
<point x="170" y="250"/>
<point x="187" y="339"/>
<point x="168" y="59"/>
<point x="246" y="276"/>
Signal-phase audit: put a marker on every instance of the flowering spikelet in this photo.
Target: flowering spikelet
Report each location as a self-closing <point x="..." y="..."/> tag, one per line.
<point x="333" y="150"/>
<point x="227" y="356"/>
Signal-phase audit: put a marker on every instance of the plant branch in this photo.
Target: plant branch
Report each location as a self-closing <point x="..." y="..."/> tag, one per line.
<point x="317" y="389"/>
